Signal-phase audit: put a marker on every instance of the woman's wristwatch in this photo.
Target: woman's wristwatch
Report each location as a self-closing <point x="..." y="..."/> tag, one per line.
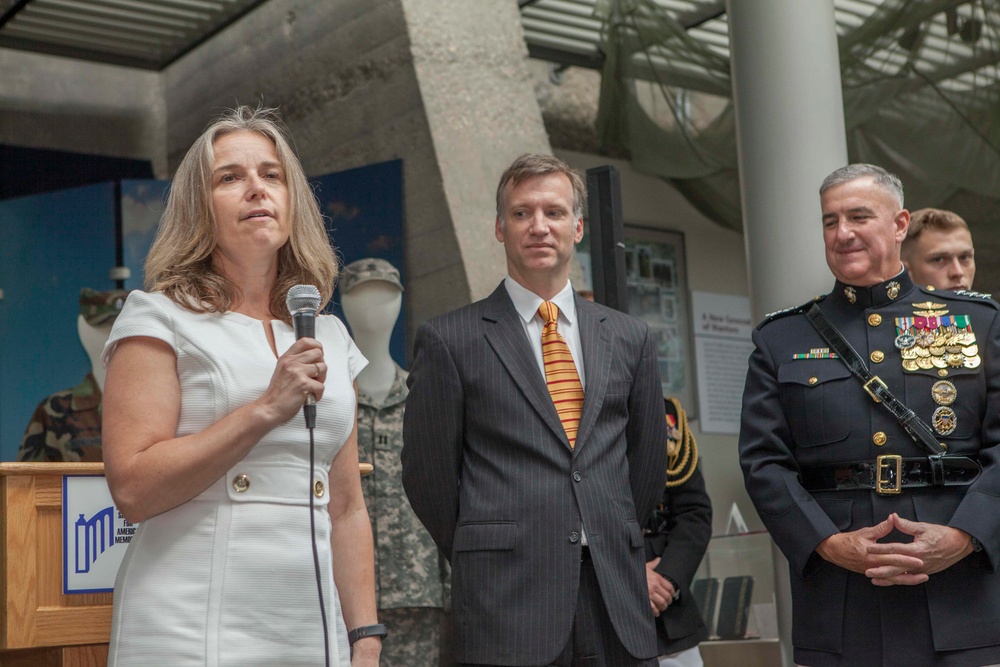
<point x="376" y="630"/>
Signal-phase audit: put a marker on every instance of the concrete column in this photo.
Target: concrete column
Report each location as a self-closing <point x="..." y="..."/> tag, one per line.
<point x="442" y="84"/>
<point x="471" y="64"/>
<point x="790" y="135"/>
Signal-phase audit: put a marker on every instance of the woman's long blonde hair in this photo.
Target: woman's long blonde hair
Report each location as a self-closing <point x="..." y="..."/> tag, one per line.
<point x="180" y="263"/>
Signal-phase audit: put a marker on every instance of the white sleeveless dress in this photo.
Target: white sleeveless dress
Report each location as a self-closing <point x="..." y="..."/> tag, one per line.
<point x="227" y="578"/>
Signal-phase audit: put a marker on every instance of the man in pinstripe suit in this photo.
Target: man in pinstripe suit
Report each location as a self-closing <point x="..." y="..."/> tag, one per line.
<point x="543" y="532"/>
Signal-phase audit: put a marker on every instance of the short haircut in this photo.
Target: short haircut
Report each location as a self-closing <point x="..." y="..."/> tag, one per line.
<point x="931" y="218"/>
<point x="934" y="218"/>
<point x="889" y="182"/>
<point x="534" y="164"/>
<point x="180" y="262"/>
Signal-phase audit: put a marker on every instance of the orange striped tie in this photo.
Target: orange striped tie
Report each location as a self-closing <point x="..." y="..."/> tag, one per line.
<point x="560" y="373"/>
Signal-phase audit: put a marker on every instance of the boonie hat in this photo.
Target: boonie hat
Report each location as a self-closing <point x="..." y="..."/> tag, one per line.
<point x="370" y="268"/>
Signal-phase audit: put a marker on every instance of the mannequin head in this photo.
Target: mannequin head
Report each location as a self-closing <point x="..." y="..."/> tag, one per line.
<point x="98" y="311"/>
<point x="372" y="307"/>
<point x="371" y="296"/>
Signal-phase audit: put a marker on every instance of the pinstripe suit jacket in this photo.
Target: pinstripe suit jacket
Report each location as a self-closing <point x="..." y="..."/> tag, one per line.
<point x="489" y="471"/>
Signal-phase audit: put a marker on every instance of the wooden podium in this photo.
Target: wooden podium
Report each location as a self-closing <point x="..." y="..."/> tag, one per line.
<point x="40" y="626"/>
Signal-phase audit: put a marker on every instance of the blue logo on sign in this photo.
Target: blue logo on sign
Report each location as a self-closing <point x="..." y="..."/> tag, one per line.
<point x="93" y="537"/>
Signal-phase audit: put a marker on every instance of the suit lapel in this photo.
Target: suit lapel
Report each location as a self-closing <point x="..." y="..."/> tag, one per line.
<point x="596" y="344"/>
<point x="507" y="339"/>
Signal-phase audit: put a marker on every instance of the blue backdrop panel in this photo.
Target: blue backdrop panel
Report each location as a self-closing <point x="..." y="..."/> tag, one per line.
<point x="53" y="245"/>
<point x="142" y="206"/>
<point x="364" y="211"/>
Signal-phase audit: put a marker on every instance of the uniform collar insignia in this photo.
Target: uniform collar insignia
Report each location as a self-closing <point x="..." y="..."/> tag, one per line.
<point x="874" y="296"/>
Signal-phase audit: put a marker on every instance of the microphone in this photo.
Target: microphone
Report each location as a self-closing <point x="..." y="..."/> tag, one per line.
<point x="303" y="302"/>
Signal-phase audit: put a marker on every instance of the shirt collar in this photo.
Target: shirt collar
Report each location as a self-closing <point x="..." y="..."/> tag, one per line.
<point x="526" y="302"/>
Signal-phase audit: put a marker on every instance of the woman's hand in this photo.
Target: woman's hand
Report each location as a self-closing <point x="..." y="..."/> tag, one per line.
<point x="299" y="372"/>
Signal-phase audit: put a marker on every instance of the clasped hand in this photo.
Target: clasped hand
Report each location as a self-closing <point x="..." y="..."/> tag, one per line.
<point x="661" y="591"/>
<point x="934" y="548"/>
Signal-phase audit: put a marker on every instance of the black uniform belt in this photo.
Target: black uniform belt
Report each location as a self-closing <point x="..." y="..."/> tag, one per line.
<point x="889" y="474"/>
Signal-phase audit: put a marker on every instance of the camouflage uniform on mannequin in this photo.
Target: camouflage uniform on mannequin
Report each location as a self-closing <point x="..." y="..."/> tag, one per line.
<point x="410" y="574"/>
<point x="66" y="426"/>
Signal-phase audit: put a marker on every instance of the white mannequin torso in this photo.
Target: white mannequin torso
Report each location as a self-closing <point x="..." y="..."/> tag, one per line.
<point x="93" y="339"/>
<point x="372" y="309"/>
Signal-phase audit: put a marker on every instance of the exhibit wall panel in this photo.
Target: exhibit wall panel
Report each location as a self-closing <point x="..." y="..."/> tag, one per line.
<point x="51" y="246"/>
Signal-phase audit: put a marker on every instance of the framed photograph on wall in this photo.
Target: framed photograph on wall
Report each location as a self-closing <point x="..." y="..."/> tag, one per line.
<point x="656" y="277"/>
<point x="658" y="294"/>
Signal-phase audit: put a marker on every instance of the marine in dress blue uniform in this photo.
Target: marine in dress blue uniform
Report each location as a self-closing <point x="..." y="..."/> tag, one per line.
<point x="811" y="436"/>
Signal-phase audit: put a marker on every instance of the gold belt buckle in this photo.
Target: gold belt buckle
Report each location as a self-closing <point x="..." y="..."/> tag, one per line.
<point x="889" y="484"/>
<point x="877" y="380"/>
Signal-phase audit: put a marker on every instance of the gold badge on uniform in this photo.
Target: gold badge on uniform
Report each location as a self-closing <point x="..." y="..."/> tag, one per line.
<point x="892" y="289"/>
<point x="944" y="392"/>
<point x="944" y="420"/>
<point x="851" y="294"/>
<point x="933" y="339"/>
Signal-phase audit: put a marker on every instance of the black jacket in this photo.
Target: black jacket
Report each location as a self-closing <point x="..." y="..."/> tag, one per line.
<point x="678" y="532"/>
<point x="803" y="409"/>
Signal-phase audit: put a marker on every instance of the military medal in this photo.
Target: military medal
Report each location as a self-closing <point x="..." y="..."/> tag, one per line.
<point x="851" y="294"/>
<point x="673" y="437"/>
<point x="933" y="339"/>
<point x="944" y="392"/>
<point x="905" y="340"/>
<point x="924" y="338"/>
<point x="944" y="420"/>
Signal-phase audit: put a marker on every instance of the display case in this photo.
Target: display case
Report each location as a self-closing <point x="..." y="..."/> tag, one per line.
<point x="734" y="589"/>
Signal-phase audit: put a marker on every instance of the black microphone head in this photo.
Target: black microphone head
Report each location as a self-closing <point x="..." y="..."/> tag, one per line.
<point x="302" y="299"/>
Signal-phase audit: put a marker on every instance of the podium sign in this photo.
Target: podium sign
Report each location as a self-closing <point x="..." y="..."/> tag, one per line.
<point x="39" y="623"/>
<point x="95" y="535"/>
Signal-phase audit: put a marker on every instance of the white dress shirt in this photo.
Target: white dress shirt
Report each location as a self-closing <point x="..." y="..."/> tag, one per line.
<point x="526" y="303"/>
